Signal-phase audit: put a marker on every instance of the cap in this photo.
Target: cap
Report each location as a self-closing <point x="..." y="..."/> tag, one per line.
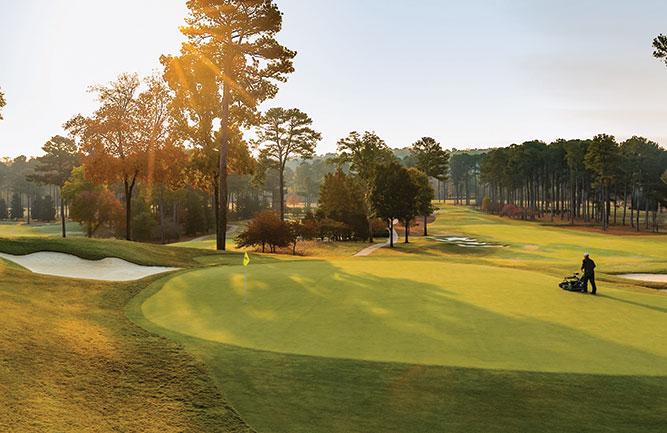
<point x="585" y="254"/>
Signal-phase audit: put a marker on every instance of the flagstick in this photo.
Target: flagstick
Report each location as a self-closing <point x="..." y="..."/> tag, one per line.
<point x="245" y="282"/>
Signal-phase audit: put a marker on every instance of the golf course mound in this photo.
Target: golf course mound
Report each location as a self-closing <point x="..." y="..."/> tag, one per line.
<point x="420" y="312"/>
<point x="68" y="265"/>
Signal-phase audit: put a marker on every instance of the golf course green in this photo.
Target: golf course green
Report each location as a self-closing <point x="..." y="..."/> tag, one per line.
<point x="417" y="311"/>
<point x="429" y="335"/>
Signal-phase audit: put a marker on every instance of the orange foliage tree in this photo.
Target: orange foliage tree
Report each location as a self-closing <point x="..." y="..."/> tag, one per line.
<point x="127" y="139"/>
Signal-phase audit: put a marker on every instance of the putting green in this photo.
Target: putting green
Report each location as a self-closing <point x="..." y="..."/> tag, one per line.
<point x="419" y="311"/>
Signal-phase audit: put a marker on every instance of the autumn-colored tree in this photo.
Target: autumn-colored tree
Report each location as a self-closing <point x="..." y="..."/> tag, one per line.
<point x="93" y="209"/>
<point x="126" y="139"/>
<point x="55" y="167"/>
<point x="266" y="228"/>
<point x="283" y="134"/>
<point x="293" y="200"/>
<point x="364" y="153"/>
<point x="236" y="39"/>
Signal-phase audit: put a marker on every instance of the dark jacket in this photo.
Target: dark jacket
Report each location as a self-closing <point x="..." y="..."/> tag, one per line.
<point x="587" y="266"/>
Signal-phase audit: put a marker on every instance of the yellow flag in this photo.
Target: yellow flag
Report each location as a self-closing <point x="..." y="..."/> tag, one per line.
<point x="246" y="259"/>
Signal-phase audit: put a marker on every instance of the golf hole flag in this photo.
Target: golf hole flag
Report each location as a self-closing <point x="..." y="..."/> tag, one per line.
<point x="246" y="260"/>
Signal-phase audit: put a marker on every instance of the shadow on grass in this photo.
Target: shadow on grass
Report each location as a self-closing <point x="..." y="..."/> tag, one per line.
<point x="650" y="307"/>
<point x="280" y="392"/>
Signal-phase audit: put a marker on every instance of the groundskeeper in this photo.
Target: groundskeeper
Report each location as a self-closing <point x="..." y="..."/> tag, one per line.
<point x="588" y="267"/>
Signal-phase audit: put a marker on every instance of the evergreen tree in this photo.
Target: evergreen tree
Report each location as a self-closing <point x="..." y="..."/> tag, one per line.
<point x="4" y="213"/>
<point x="432" y="160"/>
<point x="17" y="207"/>
<point x="196" y="220"/>
<point x="363" y="153"/>
<point x="603" y="157"/>
<point x="283" y="134"/>
<point x="423" y="200"/>
<point x="236" y="38"/>
<point x="55" y="167"/>
<point x="341" y="199"/>
<point x="394" y="195"/>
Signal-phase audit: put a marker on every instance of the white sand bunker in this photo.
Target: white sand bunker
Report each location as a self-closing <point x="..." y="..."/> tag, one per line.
<point x="67" y="265"/>
<point x="468" y="242"/>
<point x="654" y="278"/>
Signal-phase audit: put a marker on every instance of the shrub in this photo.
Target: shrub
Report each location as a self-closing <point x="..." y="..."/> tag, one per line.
<point x="266" y="228"/>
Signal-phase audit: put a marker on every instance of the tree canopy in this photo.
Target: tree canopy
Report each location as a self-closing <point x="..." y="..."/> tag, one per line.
<point x="393" y="195"/>
<point x="285" y="133"/>
<point x="363" y="153"/>
<point x="236" y="40"/>
<point x="126" y="139"/>
<point x="55" y="167"/>
<point x="432" y="160"/>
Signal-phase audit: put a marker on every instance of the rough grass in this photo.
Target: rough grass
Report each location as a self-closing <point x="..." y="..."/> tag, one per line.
<point x="70" y="360"/>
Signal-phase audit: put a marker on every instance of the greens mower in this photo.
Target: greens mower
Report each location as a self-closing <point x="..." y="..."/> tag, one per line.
<point x="573" y="283"/>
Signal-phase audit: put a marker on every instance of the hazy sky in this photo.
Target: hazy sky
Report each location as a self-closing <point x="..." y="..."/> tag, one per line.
<point x="474" y="73"/>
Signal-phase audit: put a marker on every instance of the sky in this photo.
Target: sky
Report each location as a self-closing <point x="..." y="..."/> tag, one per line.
<point x="471" y="74"/>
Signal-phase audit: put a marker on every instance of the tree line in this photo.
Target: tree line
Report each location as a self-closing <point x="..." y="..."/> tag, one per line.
<point x="588" y="180"/>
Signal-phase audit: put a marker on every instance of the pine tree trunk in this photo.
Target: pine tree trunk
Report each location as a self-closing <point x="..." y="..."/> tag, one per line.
<point x="62" y="214"/>
<point x="162" y="234"/>
<point x="625" y="201"/>
<point x="128" y="210"/>
<point x="391" y="233"/>
<point x="221" y="229"/>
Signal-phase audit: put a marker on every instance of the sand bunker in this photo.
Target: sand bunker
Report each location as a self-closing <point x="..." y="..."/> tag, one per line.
<point x="468" y="242"/>
<point x="67" y="265"/>
<point x="654" y="278"/>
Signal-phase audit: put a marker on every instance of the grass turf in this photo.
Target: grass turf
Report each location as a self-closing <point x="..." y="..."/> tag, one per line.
<point x="418" y="311"/>
<point x="420" y="303"/>
<point x="16" y="229"/>
<point x="70" y="360"/>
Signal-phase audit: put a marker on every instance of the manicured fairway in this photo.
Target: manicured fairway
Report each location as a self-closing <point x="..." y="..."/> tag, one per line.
<point x="431" y="336"/>
<point x="54" y="229"/>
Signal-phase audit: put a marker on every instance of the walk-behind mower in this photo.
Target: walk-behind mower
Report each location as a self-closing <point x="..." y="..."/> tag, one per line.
<point x="573" y="283"/>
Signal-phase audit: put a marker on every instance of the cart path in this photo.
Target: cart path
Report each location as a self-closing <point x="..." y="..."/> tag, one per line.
<point x="367" y="251"/>
<point x="230" y="229"/>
